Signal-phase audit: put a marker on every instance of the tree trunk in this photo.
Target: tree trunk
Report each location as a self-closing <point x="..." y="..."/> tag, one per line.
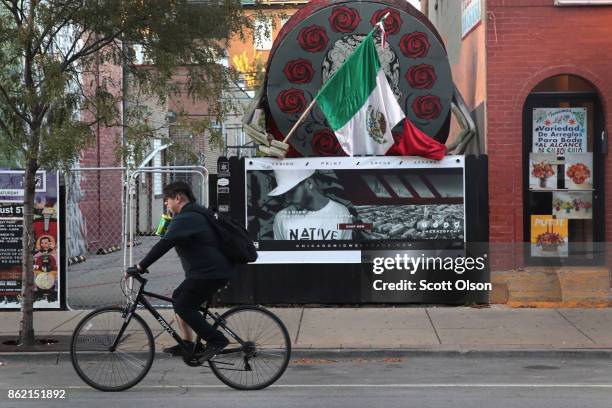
<point x="26" y="329"/>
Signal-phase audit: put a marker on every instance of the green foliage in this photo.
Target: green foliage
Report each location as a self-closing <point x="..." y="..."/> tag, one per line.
<point x="51" y="52"/>
<point x="61" y="68"/>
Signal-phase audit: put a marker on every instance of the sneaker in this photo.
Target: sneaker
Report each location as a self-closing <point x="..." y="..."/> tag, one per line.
<point x="212" y="349"/>
<point x="175" y="350"/>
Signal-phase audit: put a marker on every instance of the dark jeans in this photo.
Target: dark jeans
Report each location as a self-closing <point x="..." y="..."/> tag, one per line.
<point x="188" y="298"/>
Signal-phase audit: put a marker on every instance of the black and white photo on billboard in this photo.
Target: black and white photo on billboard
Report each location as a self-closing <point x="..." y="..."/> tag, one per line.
<point x="353" y="203"/>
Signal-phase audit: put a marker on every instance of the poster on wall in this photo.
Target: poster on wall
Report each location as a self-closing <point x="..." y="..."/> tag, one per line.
<point x="573" y="205"/>
<point x="543" y="170"/>
<point x="549" y="236"/>
<point x="329" y="210"/>
<point x="46" y="236"/>
<point x="559" y="130"/>
<point x="579" y="171"/>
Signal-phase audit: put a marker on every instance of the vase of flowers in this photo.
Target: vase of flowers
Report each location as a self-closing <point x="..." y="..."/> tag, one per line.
<point x="567" y="206"/>
<point x="542" y="171"/>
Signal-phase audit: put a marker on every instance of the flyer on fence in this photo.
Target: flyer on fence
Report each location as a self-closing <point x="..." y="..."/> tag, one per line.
<point x="46" y="240"/>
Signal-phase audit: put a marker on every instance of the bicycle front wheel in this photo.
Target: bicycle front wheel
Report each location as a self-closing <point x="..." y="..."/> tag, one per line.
<point x="264" y="356"/>
<point x="106" y="369"/>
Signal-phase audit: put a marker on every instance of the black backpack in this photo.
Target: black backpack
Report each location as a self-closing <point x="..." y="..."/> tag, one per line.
<point x="236" y="244"/>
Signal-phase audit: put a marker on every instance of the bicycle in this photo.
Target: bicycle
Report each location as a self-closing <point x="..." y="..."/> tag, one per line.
<point x="112" y="348"/>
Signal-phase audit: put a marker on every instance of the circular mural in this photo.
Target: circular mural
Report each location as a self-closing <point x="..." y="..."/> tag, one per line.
<point x="317" y="40"/>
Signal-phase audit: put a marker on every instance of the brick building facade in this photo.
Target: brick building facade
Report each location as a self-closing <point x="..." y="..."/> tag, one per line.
<point x="100" y="192"/>
<point x="536" y="54"/>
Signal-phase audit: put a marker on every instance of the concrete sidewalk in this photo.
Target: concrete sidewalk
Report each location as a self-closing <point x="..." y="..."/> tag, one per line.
<point x="497" y="328"/>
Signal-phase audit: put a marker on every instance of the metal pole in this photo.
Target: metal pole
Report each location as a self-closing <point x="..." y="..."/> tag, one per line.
<point x="204" y="199"/>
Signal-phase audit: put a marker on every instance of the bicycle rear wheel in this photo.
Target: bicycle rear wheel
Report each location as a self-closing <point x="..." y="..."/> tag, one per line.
<point x="266" y="354"/>
<point x="108" y="370"/>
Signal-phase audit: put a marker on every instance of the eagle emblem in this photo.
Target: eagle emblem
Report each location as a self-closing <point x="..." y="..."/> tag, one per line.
<point x="376" y="125"/>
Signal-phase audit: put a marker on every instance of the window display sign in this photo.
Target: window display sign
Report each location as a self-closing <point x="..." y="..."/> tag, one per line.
<point x="46" y="235"/>
<point x="559" y="130"/>
<point x="549" y="236"/>
<point x="573" y="205"/>
<point x="543" y="169"/>
<point x="579" y="171"/>
<point x="329" y="210"/>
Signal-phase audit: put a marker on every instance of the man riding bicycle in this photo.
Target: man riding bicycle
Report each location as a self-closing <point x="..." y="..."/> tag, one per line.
<point x="206" y="267"/>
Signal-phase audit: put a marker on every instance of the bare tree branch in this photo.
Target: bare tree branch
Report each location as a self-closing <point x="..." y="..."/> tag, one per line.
<point x="91" y="49"/>
<point x="65" y="21"/>
<point x="74" y="44"/>
<point x="15" y="11"/>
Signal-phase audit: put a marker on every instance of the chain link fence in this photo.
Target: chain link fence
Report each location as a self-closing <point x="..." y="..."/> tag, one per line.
<point x="109" y="226"/>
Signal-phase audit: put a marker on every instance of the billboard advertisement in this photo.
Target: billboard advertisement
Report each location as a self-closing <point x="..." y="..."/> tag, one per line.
<point x="46" y="238"/>
<point x="335" y="210"/>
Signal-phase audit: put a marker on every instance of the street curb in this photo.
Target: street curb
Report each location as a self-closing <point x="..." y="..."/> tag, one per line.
<point x="331" y="354"/>
<point x="500" y="353"/>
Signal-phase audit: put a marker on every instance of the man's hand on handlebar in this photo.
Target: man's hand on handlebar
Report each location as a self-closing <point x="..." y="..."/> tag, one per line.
<point x="135" y="271"/>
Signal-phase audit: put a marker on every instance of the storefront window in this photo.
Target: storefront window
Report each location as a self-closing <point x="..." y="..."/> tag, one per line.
<point x="563" y="173"/>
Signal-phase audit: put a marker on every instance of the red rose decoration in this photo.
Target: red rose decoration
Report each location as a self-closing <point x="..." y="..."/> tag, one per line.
<point x="324" y="143"/>
<point x="313" y="38"/>
<point x="421" y="76"/>
<point x="427" y="107"/>
<point x="291" y="101"/>
<point x="414" y="45"/>
<point x="299" y="71"/>
<point x="392" y="23"/>
<point x="344" y="19"/>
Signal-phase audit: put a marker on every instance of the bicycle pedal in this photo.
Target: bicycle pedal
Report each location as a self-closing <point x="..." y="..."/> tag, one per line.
<point x="192" y="361"/>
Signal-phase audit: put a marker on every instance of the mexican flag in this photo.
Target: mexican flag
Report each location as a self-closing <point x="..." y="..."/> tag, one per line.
<point x="359" y="103"/>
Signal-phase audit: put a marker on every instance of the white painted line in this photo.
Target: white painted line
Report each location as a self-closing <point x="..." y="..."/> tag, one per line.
<point x="476" y="385"/>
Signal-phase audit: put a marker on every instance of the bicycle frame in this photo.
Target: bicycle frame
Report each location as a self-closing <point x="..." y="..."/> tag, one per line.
<point x="141" y="298"/>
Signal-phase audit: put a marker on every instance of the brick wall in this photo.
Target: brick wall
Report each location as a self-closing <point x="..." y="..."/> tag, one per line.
<point x="101" y="206"/>
<point x="527" y="42"/>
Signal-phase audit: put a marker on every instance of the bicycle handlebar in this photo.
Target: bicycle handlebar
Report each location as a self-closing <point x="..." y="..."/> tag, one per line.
<point x="138" y="276"/>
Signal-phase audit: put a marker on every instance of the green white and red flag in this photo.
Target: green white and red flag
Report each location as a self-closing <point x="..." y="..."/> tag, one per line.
<point x="359" y="103"/>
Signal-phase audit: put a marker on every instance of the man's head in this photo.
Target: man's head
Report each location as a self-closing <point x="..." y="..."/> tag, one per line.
<point x="44" y="243"/>
<point x="177" y="195"/>
<point x="297" y="186"/>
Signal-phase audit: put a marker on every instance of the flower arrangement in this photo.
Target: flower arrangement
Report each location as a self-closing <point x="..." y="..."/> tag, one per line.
<point x="578" y="173"/>
<point x="549" y="241"/>
<point x="542" y="171"/>
<point x="567" y="206"/>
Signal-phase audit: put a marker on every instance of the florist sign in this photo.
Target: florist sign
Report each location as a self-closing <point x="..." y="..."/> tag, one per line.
<point x="559" y="130"/>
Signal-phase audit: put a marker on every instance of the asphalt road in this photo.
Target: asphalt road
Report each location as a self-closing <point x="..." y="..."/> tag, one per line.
<point x="428" y="381"/>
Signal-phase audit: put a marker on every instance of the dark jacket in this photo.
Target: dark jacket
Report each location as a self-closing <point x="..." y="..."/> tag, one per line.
<point x="197" y="245"/>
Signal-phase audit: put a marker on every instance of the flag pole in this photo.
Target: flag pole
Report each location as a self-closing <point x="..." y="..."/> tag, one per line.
<point x="280" y="149"/>
<point x="300" y="119"/>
